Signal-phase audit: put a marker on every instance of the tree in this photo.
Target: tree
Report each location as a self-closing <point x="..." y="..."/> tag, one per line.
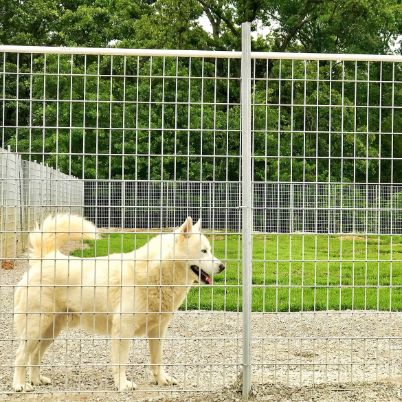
<point x="152" y="115"/>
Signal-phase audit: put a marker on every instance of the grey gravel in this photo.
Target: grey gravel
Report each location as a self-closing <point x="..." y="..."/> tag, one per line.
<point x="322" y="356"/>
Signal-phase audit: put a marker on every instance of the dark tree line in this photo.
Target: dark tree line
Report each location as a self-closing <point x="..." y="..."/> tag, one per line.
<point x="81" y="115"/>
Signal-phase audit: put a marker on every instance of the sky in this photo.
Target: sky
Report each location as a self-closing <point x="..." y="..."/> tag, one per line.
<point x="264" y="30"/>
<point x="261" y="30"/>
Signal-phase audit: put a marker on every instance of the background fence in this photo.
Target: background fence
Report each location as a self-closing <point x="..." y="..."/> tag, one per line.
<point x="155" y="136"/>
<point x="348" y="208"/>
<point x="29" y="191"/>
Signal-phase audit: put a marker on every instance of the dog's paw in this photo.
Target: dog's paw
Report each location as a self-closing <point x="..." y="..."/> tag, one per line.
<point x="45" y="380"/>
<point x="127" y="385"/>
<point x="22" y="387"/>
<point x="165" y="379"/>
<point x="42" y="381"/>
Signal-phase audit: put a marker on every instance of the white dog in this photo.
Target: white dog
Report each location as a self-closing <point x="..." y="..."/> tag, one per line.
<point x="122" y="295"/>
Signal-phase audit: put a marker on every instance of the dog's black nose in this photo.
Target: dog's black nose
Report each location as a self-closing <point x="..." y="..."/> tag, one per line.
<point x="221" y="267"/>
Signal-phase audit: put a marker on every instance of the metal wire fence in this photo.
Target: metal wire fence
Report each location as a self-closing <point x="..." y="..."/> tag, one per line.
<point x="333" y="208"/>
<point x="311" y="293"/>
<point x="29" y="191"/>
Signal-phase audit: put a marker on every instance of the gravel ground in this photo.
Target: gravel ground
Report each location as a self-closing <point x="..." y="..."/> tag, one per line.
<point x="325" y="356"/>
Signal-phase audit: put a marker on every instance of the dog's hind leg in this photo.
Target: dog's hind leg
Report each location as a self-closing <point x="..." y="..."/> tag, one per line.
<point x="24" y="351"/>
<point x="36" y="357"/>
<point x="30" y="334"/>
<point x="156" y="337"/>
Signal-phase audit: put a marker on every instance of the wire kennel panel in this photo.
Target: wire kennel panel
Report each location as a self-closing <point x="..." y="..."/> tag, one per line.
<point x="327" y="184"/>
<point x="143" y="204"/>
<point x="134" y="142"/>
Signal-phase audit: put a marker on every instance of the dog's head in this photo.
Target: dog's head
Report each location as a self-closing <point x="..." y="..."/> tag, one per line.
<point x="193" y="247"/>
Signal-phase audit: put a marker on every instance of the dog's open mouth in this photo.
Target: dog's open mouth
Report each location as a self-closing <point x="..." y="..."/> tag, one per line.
<point x="201" y="275"/>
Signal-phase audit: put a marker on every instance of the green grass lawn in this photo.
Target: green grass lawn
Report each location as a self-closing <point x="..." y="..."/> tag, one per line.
<point x="293" y="272"/>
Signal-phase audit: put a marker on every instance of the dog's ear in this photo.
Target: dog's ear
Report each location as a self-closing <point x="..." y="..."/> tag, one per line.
<point x="187" y="227"/>
<point x="197" y="226"/>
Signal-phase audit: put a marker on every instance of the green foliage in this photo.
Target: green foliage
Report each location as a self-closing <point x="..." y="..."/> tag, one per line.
<point x="360" y="26"/>
<point x="87" y="112"/>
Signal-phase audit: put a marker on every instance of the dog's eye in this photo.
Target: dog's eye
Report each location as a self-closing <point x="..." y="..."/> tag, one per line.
<point x="204" y="250"/>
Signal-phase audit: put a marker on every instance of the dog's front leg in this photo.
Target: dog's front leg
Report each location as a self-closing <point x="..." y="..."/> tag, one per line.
<point x="119" y="362"/>
<point x="122" y="325"/>
<point x="156" y="337"/>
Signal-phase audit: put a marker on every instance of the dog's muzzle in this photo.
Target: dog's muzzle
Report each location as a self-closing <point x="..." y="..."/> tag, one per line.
<point x="201" y="275"/>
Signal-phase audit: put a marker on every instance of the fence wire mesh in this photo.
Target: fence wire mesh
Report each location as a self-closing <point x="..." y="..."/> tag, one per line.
<point x="135" y="143"/>
<point x="326" y="173"/>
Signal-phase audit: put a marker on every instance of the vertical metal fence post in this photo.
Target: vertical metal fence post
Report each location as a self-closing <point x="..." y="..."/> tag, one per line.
<point x="246" y="203"/>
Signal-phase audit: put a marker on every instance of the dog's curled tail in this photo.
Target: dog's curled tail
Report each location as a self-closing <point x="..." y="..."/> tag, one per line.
<point x="57" y="230"/>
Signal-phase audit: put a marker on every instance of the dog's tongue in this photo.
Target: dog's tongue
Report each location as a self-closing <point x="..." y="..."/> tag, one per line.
<point x="205" y="277"/>
<point x="208" y="279"/>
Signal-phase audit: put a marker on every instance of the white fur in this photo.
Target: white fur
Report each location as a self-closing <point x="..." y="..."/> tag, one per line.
<point x="89" y="294"/>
